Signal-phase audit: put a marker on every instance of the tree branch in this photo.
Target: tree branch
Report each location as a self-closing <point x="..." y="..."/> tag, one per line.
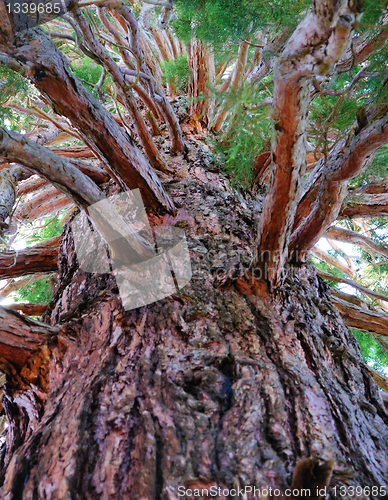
<point x="332" y="261"/>
<point x="34" y="260"/>
<point x="20" y="337"/>
<point x="340" y="234"/>
<point x="48" y="70"/>
<point x="346" y="160"/>
<point x="369" y="205"/>
<point x="312" y="49"/>
<point x="362" y="319"/>
<point x="357" y="286"/>
<point x="28" y="309"/>
<point x="77" y="186"/>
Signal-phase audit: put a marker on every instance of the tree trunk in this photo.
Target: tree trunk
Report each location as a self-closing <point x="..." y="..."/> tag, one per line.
<point x="202" y="78"/>
<point x="223" y="385"/>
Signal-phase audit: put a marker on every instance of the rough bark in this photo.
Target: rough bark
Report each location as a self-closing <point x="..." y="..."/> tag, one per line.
<point x="321" y="205"/>
<point x="223" y="384"/>
<point x="301" y="59"/>
<point x="202" y="77"/>
<point x="35" y="260"/>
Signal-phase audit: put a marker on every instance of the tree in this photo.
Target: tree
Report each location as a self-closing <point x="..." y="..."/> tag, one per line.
<point x="248" y="376"/>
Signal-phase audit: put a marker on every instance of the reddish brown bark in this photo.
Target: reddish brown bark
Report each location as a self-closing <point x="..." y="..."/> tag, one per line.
<point x="28" y="309"/>
<point x="74" y="152"/>
<point x="37" y="259"/>
<point x="202" y="77"/>
<point x="49" y="72"/>
<point x="220" y="383"/>
<point x="21" y="337"/>
<point x="321" y="205"/>
<point x="291" y="100"/>
<point x="47" y="194"/>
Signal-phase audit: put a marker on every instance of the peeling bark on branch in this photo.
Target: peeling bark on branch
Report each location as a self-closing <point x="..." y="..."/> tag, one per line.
<point x="20" y="337"/>
<point x="311" y="50"/>
<point x="38" y="259"/>
<point x="363" y="319"/>
<point x="345" y="161"/>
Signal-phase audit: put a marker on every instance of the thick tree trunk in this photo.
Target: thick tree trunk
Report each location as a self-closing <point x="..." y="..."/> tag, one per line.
<point x="202" y="78"/>
<point x="222" y="385"/>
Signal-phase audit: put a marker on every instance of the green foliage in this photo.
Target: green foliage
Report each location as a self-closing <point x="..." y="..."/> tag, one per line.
<point x="36" y="291"/>
<point x="89" y="72"/>
<point x="48" y="229"/>
<point x="176" y="72"/>
<point x="246" y="132"/>
<point x="225" y="21"/>
<point x="372" y="353"/>
<point x="377" y="170"/>
<point x="40" y="290"/>
<point x="372" y="10"/>
<point x="12" y="86"/>
<point x="327" y="268"/>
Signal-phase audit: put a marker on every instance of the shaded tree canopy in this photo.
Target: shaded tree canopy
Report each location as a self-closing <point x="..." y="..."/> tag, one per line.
<point x="261" y="130"/>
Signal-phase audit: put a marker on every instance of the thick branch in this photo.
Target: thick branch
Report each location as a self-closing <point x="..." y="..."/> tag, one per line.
<point x="339" y="234"/>
<point x="312" y="49"/>
<point x="48" y="70"/>
<point x="346" y="160"/>
<point x="20" y="336"/>
<point x="362" y="319"/>
<point x="37" y="259"/>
